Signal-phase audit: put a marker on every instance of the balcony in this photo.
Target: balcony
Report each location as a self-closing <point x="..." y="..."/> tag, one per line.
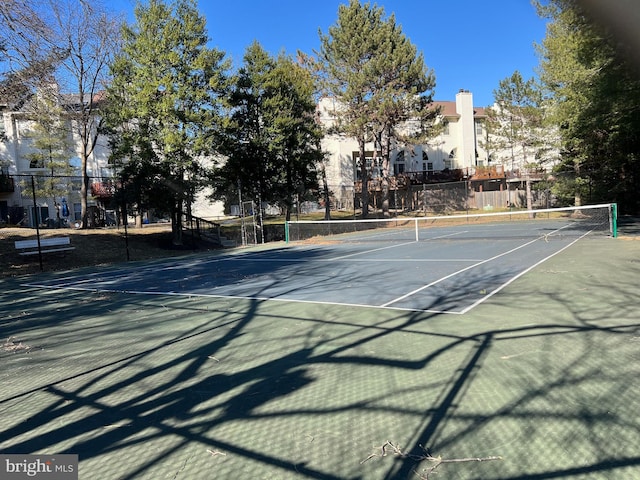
<point x="7" y="184"/>
<point x="487" y="173"/>
<point x="103" y="190"/>
<point x="404" y="180"/>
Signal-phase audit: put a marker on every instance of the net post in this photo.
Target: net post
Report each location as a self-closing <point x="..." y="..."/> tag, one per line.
<point x="416" y="223"/>
<point x="614" y="220"/>
<point x="286" y="231"/>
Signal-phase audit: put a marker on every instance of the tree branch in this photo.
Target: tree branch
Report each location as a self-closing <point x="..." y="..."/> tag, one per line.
<point x="389" y="447"/>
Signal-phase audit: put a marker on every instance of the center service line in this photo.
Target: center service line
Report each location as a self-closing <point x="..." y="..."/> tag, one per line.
<point x="456" y="273"/>
<point x="514" y="278"/>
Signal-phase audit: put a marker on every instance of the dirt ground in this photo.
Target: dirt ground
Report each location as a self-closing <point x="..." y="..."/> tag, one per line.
<point x="92" y="247"/>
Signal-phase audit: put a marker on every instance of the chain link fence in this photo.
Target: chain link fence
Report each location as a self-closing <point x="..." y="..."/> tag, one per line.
<point x="41" y="220"/>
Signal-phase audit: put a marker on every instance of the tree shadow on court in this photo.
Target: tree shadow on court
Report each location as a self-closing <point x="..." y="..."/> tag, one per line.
<point x="558" y="381"/>
<point x="35" y="303"/>
<point x="496" y="383"/>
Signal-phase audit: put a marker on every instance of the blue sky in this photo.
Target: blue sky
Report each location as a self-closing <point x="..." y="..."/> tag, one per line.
<point x="469" y="44"/>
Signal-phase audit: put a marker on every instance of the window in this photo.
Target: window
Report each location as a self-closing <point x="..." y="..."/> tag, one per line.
<point x="38" y="215"/>
<point x="445" y="129"/>
<point x="22" y="128"/>
<point x="36" y="163"/>
<point x="398" y="168"/>
<point x="478" y="128"/>
<point x="374" y="165"/>
<point x="398" y="165"/>
<point x="430" y="166"/>
<point x="77" y="211"/>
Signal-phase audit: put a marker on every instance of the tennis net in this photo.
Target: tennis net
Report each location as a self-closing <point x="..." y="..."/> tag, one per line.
<point x="549" y="223"/>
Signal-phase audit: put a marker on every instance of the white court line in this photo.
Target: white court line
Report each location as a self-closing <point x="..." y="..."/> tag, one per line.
<point x="231" y="297"/>
<point x="513" y="279"/>
<point x="445" y="236"/>
<point x="332" y="259"/>
<point x="361" y="260"/>
<point x="392" y="246"/>
<point x="372" y="250"/>
<point x="424" y="287"/>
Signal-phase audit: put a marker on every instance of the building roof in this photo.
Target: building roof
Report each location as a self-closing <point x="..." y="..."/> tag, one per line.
<point x="449" y="109"/>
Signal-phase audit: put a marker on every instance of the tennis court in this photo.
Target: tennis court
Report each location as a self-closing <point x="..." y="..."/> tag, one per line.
<point x="430" y="268"/>
<point x="303" y="360"/>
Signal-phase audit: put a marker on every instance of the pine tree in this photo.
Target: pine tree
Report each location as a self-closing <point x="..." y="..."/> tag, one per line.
<point x="293" y="131"/>
<point x="515" y="123"/>
<point x="248" y="167"/>
<point x="402" y="97"/>
<point x="271" y="136"/>
<point x="380" y="82"/>
<point x="347" y="72"/>
<point x="164" y="102"/>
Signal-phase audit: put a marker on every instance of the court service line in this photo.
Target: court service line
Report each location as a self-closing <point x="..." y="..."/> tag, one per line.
<point x="364" y="252"/>
<point x="372" y="250"/>
<point x="514" y="278"/>
<point x="362" y="260"/>
<point x="332" y="259"/>
<point x="231" y="297"/>
<point x="446" y="235"/>
<point x="424" y="287"/>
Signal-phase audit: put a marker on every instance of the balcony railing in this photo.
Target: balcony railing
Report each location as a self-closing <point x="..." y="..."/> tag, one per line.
<point x="486" y="173"/>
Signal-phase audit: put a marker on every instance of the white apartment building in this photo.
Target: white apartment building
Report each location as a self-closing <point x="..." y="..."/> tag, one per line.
<point x="17" y="205"/>
<point x="16" y="169"/>
<point x="454" y="154"/>
<point x="458" y="148"/>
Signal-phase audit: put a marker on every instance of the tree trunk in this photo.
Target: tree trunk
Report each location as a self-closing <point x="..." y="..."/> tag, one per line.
<point x="529" y="194"/>
<point x="84" y="189"/>
<point x="364" y="195"/>
<point x="577" y="199"/>
<point x="138" y="214"/>
<point x="176" y="220"/>
<point x="290" y="188"/>
<point x="384" y="151"/>
<point x="325" y="190"/>
<point x="176" y="224"/>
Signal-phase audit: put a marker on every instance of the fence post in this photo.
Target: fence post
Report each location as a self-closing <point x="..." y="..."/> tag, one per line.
<point x="35" y="218"/>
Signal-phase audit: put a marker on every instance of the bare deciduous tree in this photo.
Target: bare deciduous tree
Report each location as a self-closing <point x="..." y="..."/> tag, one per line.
<point x="27" y="57"/>
<point x="90" y="38"/>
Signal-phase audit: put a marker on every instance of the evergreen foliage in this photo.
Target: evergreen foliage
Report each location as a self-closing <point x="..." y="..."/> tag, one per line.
<point x="271" y="136"/>
<point x="50" y="152"/>
<point x="380" y="82"/>
<point x="164" y="106"/>
<point x="596" y="93"/>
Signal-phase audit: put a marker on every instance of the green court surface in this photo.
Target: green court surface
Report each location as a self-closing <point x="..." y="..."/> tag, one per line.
<point x="544" y="375"/>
